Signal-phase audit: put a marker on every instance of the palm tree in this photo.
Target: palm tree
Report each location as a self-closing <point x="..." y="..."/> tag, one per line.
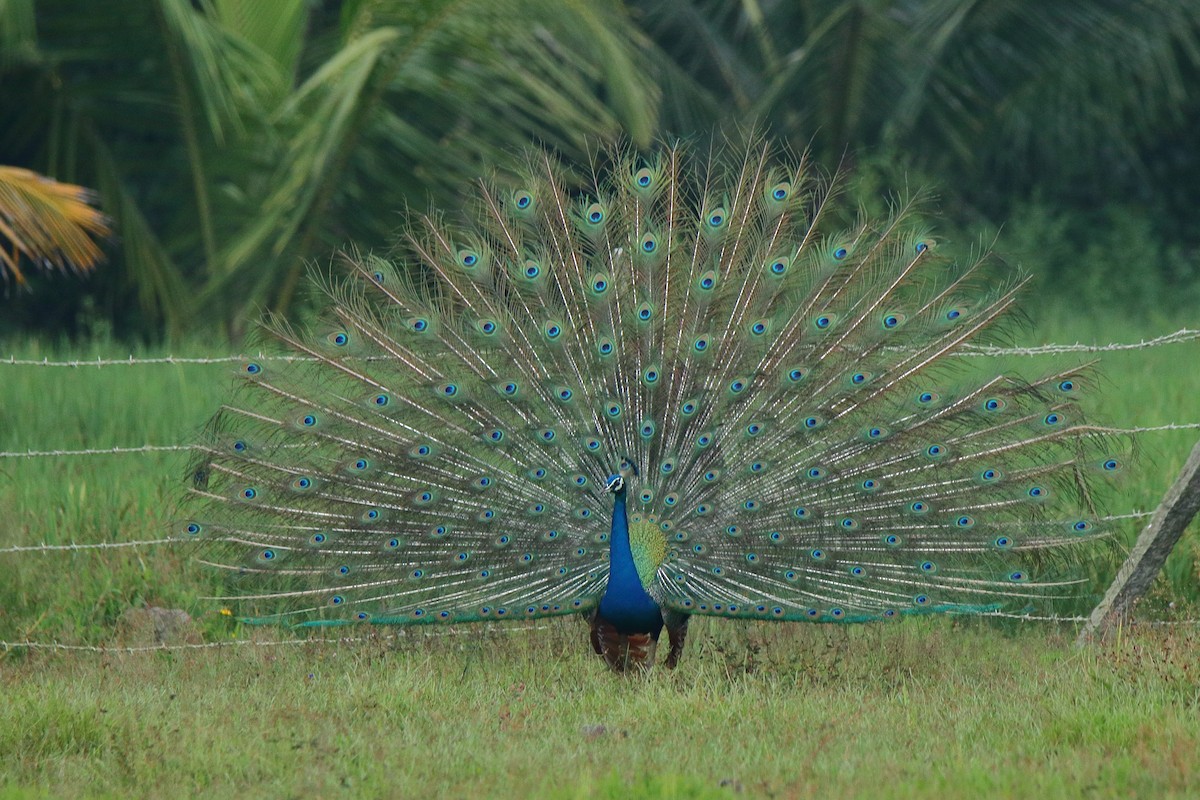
<point x="233" y="142"/>
<point x="1071" y="95"/>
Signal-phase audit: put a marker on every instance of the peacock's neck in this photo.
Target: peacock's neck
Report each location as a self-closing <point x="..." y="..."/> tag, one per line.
<point x="625" y="603"/>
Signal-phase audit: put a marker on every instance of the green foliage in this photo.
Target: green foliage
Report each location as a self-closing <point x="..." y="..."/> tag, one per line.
<point x="233" y="142"/>
<point x="1115" y="257"/>
<point x="1075" y="95"/>
<point x="1135" y="259"/>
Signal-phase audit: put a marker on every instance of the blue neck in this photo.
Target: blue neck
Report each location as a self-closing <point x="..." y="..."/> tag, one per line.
<point x="625" y="603"/>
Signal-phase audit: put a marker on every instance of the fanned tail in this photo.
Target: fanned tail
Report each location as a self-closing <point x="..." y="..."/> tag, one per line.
<point x="808" y="447"/>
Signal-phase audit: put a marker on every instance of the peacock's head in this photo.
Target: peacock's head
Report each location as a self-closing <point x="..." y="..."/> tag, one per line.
<point x="617" y="483"/>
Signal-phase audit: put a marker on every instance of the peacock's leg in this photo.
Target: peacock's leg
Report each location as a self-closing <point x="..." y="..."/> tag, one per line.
<point x="594" y="633"/>
<point x="676" y="625"/>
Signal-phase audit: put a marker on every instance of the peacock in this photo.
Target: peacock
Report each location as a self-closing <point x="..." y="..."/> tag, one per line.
<point x="669" y="383"/>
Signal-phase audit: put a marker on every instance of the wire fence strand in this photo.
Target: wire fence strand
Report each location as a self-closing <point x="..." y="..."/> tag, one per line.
<point x="99" y="451"/>
<point x="1178" y="337"/>
<point x="168" y="448"/>
<point x="74" y="546"/>
<point x="968" y="350"/>
<point x="49" y="548"/>
<point x="231" y="643"/>
<point x="6" y="646"/>
<point x="1140" y="623"/>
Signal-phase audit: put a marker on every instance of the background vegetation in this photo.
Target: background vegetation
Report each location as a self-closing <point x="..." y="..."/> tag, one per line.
<point x="232" y="142"/>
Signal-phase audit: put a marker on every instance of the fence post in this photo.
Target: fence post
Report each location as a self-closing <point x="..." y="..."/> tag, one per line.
<point x="1150" y="552"/>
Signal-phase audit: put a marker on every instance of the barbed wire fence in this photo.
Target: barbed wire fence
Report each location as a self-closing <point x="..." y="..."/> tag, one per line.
<point x="969" y="351"/>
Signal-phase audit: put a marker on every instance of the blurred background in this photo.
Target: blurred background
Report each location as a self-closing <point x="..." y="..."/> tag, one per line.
<point x="230" y="144"/>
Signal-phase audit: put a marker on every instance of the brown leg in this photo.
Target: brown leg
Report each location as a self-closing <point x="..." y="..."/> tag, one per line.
<point x="594" y="632"/>
<point x="676" y="634"/>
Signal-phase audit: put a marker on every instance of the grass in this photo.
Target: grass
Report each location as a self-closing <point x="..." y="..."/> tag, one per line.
<point x="926" y="707"/>
<point x="921" y="709"/>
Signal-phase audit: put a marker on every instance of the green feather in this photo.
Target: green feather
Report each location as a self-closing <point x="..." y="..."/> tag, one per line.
<point x="807" y="447"/>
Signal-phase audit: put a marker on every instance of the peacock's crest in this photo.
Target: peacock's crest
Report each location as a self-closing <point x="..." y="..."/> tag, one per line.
<point x="777" y="394"/>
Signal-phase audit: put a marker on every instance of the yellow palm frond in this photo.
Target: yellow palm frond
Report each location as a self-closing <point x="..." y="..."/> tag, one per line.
<point x="48" y="223"/>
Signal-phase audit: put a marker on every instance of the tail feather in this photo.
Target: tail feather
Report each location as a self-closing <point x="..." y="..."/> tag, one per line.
<point x="808" y="448"/>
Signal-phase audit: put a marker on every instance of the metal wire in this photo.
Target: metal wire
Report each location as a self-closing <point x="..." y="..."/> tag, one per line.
<point x="150" y="648"/>
<point x="119" y="450"/>
<point x="968" y="351"/>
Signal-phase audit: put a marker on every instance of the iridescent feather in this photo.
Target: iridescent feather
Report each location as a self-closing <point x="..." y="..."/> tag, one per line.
<point x="681" y="383"/>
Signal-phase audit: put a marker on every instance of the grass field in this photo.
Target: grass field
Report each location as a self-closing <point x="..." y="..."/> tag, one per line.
<point x="921" y="708"/>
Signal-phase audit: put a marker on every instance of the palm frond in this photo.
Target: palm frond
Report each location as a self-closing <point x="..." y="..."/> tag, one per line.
<point x="414" y="104"/>
<point x="50" y="224"/>
<point x="275" y="27"/>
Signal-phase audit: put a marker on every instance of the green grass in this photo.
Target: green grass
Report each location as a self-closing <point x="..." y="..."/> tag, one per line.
<point x="922" y="708"/>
